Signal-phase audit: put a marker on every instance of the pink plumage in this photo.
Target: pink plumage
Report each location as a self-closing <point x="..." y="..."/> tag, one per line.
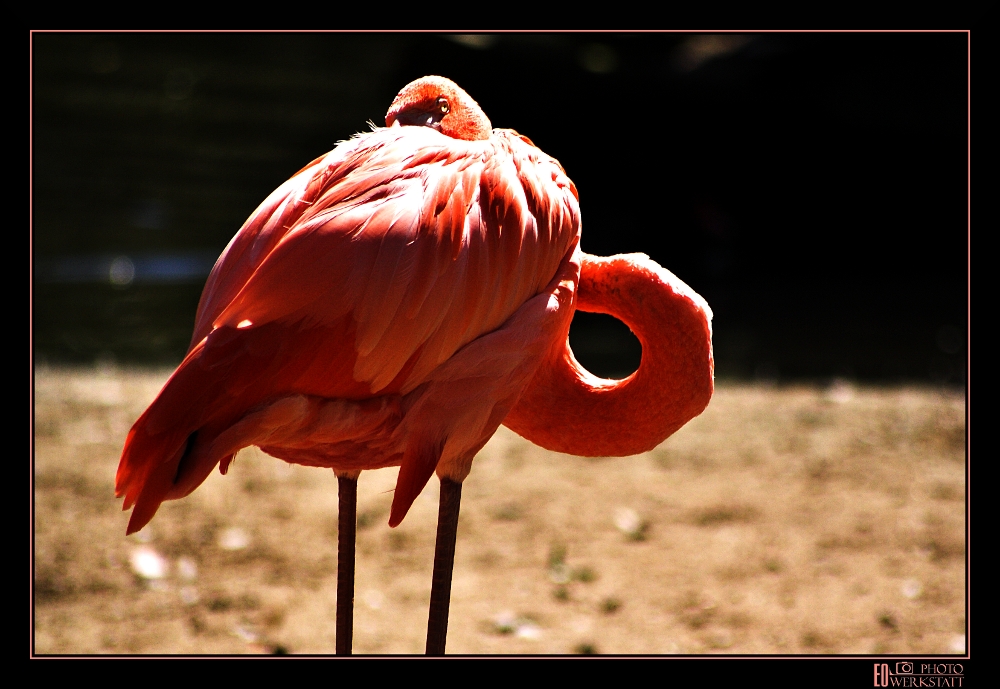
<point x="397" y="300"/>
<point x="385" y="306"/>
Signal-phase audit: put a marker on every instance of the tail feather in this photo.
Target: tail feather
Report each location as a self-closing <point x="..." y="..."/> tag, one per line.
<point x="154" y="449"/>
<point x="153" y="459"/>
<point x="147" y="471"/>
<point x="154" y="490"/>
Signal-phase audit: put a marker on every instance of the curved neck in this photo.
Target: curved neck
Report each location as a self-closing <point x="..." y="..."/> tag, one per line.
<point x="567" y="409"/>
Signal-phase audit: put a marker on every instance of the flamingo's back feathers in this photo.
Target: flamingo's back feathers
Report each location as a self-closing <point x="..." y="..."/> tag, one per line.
<point x="362" y="278"/>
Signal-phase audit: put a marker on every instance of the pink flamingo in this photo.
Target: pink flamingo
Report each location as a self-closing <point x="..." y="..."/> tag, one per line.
<point x="392" y="304"/>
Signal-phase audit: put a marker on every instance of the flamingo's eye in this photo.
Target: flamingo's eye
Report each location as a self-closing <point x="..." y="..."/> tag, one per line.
<point x="443" y="106"/>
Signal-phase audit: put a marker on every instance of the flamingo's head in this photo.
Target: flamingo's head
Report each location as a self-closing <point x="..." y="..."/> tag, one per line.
<point x="440" y="104"/>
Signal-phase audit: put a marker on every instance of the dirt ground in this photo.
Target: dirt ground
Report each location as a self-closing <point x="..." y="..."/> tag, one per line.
<point x="783" y="520"/>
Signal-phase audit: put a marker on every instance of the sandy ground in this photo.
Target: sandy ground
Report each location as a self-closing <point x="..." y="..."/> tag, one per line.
<point x="782" y="520"/>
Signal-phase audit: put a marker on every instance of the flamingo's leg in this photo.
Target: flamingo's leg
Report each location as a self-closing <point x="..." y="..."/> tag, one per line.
<point x="444" y="563"/>
<point x="347" y="525"/>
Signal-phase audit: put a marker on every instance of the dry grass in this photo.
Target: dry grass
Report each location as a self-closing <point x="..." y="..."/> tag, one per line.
<point x="783" y="520"/>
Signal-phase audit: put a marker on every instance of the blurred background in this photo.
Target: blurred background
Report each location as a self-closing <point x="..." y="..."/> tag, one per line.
<point x="812" y="187"/>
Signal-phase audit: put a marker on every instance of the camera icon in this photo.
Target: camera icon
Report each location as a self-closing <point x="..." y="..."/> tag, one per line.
<point x="904" y="668"/>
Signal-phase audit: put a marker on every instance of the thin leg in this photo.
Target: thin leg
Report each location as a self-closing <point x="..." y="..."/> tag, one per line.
<point x="444" y="563"/>
<point x="347" y="490"/>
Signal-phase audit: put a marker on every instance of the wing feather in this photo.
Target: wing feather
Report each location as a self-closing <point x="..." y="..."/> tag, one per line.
<point x="414" y="283"/>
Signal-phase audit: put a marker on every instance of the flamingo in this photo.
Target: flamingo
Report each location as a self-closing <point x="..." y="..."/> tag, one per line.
<point x="392" y="304"/>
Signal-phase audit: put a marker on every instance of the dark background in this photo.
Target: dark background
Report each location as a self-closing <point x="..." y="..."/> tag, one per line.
<point x="812" y="187"/>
